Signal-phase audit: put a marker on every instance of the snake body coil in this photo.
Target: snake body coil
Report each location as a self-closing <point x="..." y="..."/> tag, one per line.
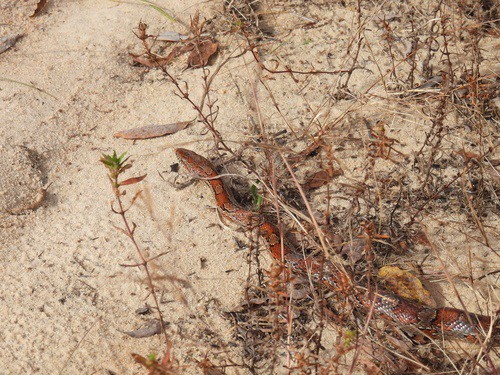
<point x="434" y="322"/>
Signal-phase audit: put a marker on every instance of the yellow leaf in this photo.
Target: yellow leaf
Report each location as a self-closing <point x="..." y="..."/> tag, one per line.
<point x="405" y="284"/>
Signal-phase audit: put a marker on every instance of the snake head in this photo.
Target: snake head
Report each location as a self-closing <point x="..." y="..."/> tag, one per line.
<point x="196" y="164"/>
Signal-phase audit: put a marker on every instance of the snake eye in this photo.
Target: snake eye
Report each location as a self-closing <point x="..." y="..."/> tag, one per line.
<point x="174" y="167"/>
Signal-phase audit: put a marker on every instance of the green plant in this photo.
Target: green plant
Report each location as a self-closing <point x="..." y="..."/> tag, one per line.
<point x="118" y="165"/>
<point x="257" y="199"/>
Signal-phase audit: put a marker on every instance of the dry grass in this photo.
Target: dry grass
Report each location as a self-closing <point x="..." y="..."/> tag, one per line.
<point x="404" y="106"/>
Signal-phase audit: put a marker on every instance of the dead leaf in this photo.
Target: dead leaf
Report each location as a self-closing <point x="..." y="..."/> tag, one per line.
<point x="150" y="328"/>
<point x="354" y="250"/>
<point x="152" y="131"/>
<point x="143" y="310"/>
<point x="178" y="51"/>
<point x="171" y="36"/>
<point x="153" y="365"/>
<point x="209" y="368"/>
<point x="202" y="52"/>
<point x="317" y="180"/>
<point x="467" y="155"/>
<point x="8" y="41"/>
<point x="166" y="366"/>
<point x="421" y="238"/>
<point x="142" y="361"/>
<point x="133" y="180"/>
<point x="174" y="36"/>
<point x="39" y="6"/>
<point x="196" y="27"/>
<point x="321" y="178"/>
<point x="153" y="61"/>
<point x="150" y="61"/>
<point x="405" y="284"/>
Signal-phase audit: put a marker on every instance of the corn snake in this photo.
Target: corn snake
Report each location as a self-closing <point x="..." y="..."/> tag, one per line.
<point x="433" y="322"/>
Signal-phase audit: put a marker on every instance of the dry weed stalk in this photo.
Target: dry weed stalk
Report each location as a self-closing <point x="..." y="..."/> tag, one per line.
<point x="117" y="166"/>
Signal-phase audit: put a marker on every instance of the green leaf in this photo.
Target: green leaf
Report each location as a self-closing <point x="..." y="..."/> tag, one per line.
<point x="115" y="163"/>
<point x="349" y="336"/>
<point x="121" y="156"/>
<point x="256" y="197"/>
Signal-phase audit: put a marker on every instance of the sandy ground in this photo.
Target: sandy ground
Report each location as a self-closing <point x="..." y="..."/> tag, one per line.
<point x="65" y="299"/>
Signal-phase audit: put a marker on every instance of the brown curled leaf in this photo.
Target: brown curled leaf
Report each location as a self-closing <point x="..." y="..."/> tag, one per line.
<point x="150" y="61"/>
<point x="317" y="180"/>
<point x="39" y="7"/>
<point x="201" y="53"/>
<point x="321" y="178"/>
<point x="152" y="131"/>
<point x="421" y="238"/>
<point x="133" y="180"/>
<point x="8" y="41"/>
<point x="142" y="360"/>
<point x="152" y="364"/>
<point x="153" y="61"/>
<point x="179" y="50"/>
<point x="156" y="367"/>
<point x="467" y="155"/>
<point x="150" y="328"/>
<point x="353" y="250"/>
<point x="405" y="284"/>
<point x="209" y="368"/>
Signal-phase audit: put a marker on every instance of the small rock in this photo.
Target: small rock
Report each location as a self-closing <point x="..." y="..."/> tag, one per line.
<point x="21" y="187"/>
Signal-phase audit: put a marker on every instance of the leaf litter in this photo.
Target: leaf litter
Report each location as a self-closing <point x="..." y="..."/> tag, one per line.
<point x="39" y="7"/>
<point x="8" y="41"/>
<point x="405" y="284"/>
<point x="152" y="131"/>
<point x="150" y="328"/>
<point x="201" y="45"/>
